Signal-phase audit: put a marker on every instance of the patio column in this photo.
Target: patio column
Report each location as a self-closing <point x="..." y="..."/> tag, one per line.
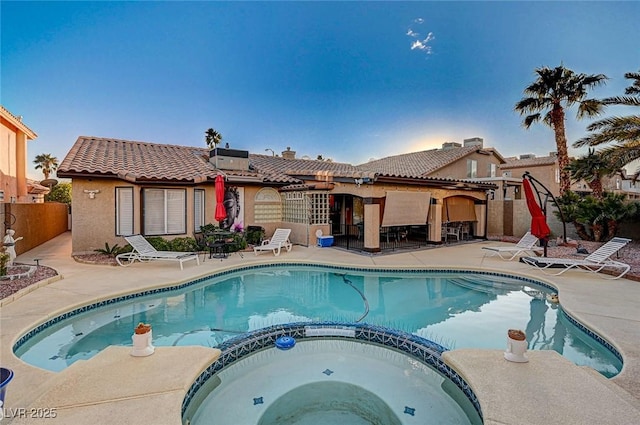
<point x="435" y="222"/>
<point x="371" y="226"/>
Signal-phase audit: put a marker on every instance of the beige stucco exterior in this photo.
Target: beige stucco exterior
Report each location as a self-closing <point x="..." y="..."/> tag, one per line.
<point x="458" y="169"/>
<point x="94" y="219"/>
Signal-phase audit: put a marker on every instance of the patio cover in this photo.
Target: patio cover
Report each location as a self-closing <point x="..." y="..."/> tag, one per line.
<point x="406" y="208"/>
<point x="457" y="208"/>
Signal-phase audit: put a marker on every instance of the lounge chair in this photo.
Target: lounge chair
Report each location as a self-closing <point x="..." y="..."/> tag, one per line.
<point x="597" y="261"/>
<point x="526" y="244"/>
<point x="144" y="251"/>
<point x="279" y="240"/>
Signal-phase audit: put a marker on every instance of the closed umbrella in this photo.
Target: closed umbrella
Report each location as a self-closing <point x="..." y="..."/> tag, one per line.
<point x="221" y="212"/>
<point x="539" y="226"/>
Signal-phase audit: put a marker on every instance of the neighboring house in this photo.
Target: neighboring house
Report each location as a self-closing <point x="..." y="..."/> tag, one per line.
<point x="36" y="191"/>
<point x="545" y="169"/>
<point x="623" y="183"/>
<point x="168" y="190"/>
<point x="14" y="135"/>
<point x="469" y="161"/>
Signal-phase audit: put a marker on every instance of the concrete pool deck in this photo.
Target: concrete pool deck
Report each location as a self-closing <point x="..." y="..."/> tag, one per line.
<point x="549" y="389"/>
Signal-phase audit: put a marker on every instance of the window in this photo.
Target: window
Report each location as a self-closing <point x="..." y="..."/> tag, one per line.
<point x="164" y="211"/>
<point x="124" y="211"/>
<point x="306" y="208"/>
<point x="472" y="168"/>
<point x="319" y="207"/>
<point x="557" y="171"/>
<point x="493" y="170"/>
<point x="268" y="206"/>
<point x="198" y="209"/>
<point x="296" y="207"/>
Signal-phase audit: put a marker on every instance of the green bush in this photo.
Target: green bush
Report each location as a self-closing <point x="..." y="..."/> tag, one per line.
<point x="112" y="250"/>
<point x="4" y="260"/>
<point x="254" y="235"/>
<point x="186" y="244"/>
<point x="59" y="193"/>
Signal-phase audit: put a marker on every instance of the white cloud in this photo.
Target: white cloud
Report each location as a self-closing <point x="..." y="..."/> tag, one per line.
<point x="419" y="43"/>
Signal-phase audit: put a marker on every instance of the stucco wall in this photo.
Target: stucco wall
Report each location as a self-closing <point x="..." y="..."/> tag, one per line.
<point x="94" y="219"/>
<point x="8" y="166"/>
<point x="458" y="169"/>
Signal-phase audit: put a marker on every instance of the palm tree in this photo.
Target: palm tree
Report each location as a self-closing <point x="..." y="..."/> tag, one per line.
<point x="623" y="130"/>
<point x="47" y="163"/>
<point x="553" y="91"/>
<point x="591" y="168"/>
<point x="212" y="138"/>
<point x="615" y="208"/>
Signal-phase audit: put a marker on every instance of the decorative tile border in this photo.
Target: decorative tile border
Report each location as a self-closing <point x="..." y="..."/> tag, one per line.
<point x="422" y="349"/>
<point x="594" y="335"/>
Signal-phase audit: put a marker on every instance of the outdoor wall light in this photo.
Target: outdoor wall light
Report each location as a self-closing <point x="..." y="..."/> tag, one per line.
<point x="358" y="182"/>
<point x="92" y="193"/>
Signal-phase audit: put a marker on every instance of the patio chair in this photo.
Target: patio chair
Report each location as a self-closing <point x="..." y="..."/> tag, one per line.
<point x="144" y="251"/>
<point x="279" y="240"/>
<point x="526" y="244"/>
<point x="597" y="261"/>
<point x="450" y="229"/>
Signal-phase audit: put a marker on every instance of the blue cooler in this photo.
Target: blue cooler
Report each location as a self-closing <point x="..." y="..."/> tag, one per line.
<point x="325" y="241"/>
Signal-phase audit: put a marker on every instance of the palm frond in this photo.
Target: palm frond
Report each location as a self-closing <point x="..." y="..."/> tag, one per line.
<point x="622" y="100"/>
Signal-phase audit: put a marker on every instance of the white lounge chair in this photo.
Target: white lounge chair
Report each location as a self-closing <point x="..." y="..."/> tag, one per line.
<point x="595" y="262"/>
<point x="144" y="251"/>
<point x="279" y="240"/>
<point x="526" y="244"/>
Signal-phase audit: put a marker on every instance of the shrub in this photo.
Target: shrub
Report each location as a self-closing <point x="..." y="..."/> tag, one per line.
<point x="112" y="250"/>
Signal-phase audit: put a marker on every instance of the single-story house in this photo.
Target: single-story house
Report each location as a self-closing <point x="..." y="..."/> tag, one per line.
<point x="122" y="187"/>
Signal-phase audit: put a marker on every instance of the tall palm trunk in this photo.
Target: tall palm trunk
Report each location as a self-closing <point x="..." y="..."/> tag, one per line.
<point x="612" y="228"/>
<point x="596" y="188"/>
<point x="598" y="231"/>
<point x="581" y="230"/>
<point x="557" y="118"/>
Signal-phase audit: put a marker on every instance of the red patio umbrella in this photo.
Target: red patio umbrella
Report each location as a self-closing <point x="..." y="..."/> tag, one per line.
<point x="539" y="226"/>
<point x="221" y="212"/>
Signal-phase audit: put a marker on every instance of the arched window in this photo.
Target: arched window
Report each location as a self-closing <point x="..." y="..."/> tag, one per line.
<point x="267" y="206"/>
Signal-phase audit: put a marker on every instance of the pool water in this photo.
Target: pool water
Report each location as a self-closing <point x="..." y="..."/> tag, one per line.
<point x="329" y="381"/>
<point x="456" y="310"/>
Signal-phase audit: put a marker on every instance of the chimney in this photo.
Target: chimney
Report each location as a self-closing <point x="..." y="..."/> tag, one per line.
<point x="451" y="145"/>
<point x="289" y="154"/>
<point x="474" y="141"/>
<point x="553" y="154"/>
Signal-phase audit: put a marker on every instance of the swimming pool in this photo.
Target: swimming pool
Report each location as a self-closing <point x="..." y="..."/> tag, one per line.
<point x="455" y="309"/>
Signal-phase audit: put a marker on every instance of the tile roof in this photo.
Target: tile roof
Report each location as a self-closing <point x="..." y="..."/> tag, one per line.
<point x="136" y="161"/>
<point x="151" y="162"/>
<point x="320" y="170"/>
<point x="528" y="162"/>
<point x="417" y="164"/>
<point x="34" y="188"/>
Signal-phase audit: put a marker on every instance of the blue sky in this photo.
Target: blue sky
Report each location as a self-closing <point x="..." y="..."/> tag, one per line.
<point x="348" y="80"/>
